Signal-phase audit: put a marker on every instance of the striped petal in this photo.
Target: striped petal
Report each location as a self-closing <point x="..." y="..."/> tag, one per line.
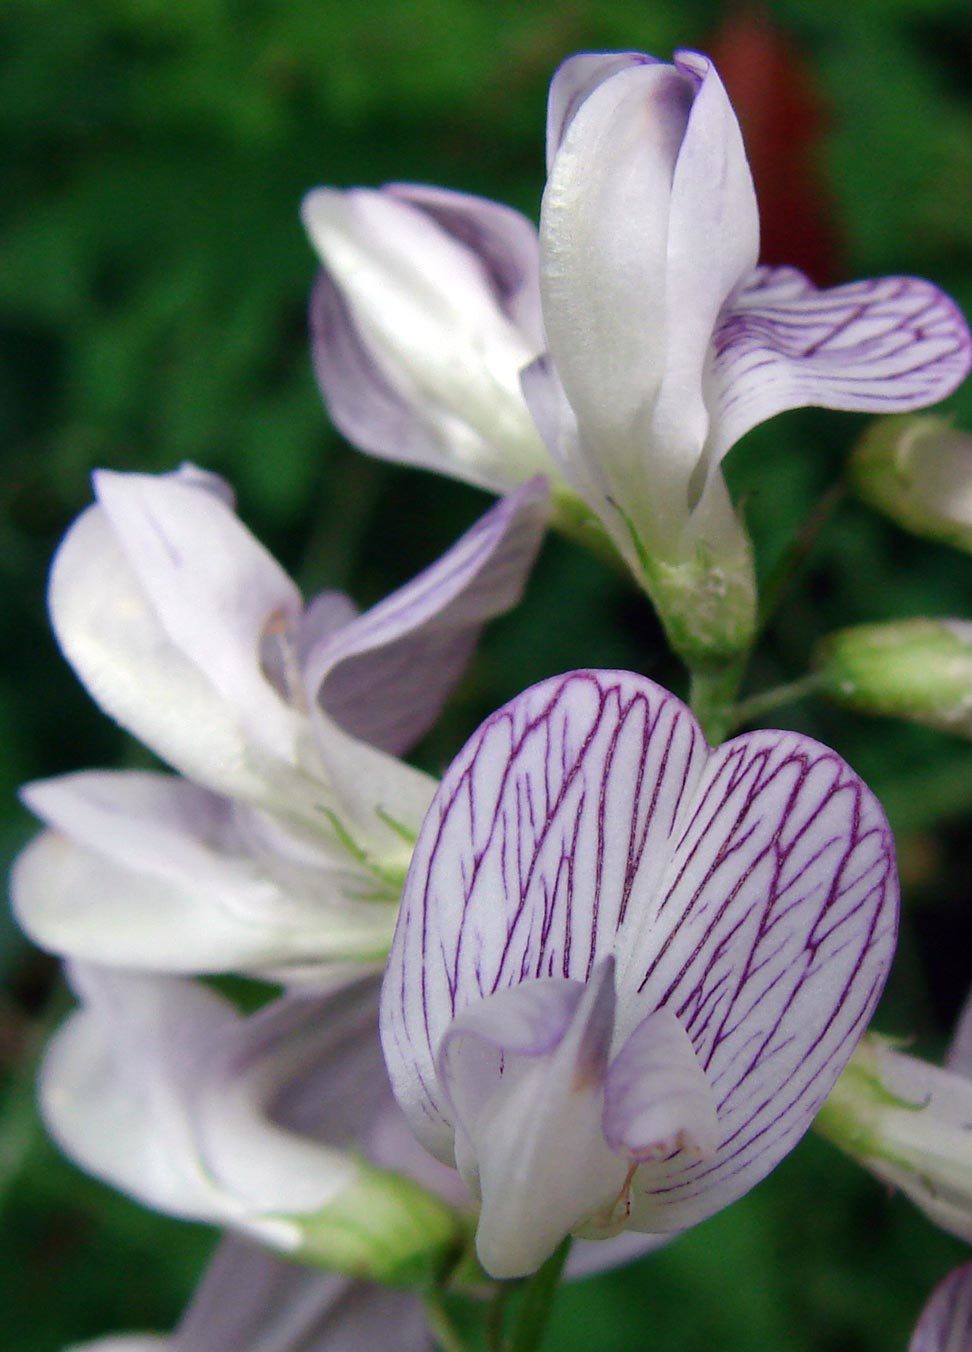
<point x="749" y="891"/>
<point x="887" y="345"/>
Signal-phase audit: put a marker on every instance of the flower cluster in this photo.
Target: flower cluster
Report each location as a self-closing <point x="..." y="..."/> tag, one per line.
<point x="623" y="968"/>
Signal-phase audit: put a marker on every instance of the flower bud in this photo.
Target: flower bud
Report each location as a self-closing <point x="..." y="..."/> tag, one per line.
<point x="908" y="1122"/>
<point x="915" y="669"/>
<point x="918" y="471"/>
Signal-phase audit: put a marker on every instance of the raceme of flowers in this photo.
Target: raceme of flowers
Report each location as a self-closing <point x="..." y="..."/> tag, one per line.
<point x="625" y="968"/>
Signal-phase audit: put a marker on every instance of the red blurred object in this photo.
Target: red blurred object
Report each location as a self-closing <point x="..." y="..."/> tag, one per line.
<point x="783" y="120"/>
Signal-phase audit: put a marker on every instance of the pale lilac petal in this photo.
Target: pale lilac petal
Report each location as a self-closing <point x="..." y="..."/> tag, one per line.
<point x="385" y="676"/>
<point x="250" y="1301"/>
<point x="127" y="1342"/>
<point x="211" y="585"/>
<point x="544" y="882"/>
<point x="116" y="1079"/>
<point x="502" y="239"/>
<point x="771" y="939"/>
<point x="946" y="1321"/>
<point x="603" y="242"/>
<point x="657" y="1099"/>
<point x="882" y="346"/>
<point x="590" y="1256"/>
<point x="159" y="1087"/>
<point x="159" y="599"/>
<point x="528" y="1139"/>
<point x="712" y="199"/>
<point x="489" y="1039"/>
<point x="574" y="81"/>
<point x="420" y="324"/>
<point x="148" y="871"/>
<point x="959" y="1056"/>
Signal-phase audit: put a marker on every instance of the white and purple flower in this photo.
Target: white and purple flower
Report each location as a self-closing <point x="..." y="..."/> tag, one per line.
<point x="628" y="968"/>
<point x="638" y="331"/>
<point x="284" y="846"/>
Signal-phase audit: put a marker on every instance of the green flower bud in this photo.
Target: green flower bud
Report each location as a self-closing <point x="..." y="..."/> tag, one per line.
<point x="908" y="1122"/>
<point x="915" y="669"/>
<point x="918" y="471"/>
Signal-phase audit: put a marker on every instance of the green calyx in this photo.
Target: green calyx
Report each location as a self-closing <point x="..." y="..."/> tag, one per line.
<point x="383" y="1227"/>
<point x="851" y="1116"/>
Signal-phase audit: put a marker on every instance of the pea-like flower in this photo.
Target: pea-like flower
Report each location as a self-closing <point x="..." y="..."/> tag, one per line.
<point x="283" y="847"/>
<point x="662" y="342"/>
<point x="628" y="968"/>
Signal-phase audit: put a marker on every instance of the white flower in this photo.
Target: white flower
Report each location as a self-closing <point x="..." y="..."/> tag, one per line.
<point x="627" y="968"/>
<point x="284" y="848"/>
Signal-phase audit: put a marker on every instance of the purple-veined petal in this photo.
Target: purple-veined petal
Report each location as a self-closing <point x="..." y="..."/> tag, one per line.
<point x="657" y="1099"/>
<point x="750" y="889"/>
<point x="415" y="326"/>
<point x="887" y="345"/>
<point x="770" y="939"/>
<point x="516" y="873"/>
<point x="148" y="871"/>
<point x="385" y="676"/>
<point x="574" y="81"/>
<point x="946" y="1321"/>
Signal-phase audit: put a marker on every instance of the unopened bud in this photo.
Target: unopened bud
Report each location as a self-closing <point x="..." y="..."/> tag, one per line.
<point x="909" y="1123"/>
<point x="918" y="471"/>
<point x="915" y="669"/>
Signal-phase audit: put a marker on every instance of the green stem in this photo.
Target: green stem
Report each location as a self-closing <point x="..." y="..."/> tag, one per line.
<point x="800" y="548"/>
<point x="537" y="1303"/>
<point x="748" y="710"/>
<point x="444" y="1331"/>
<point x="495" y="1316"/>
<point x="712" y="694"/>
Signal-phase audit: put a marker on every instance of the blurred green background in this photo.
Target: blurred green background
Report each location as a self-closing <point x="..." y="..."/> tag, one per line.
<point x="153" y="282"/>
